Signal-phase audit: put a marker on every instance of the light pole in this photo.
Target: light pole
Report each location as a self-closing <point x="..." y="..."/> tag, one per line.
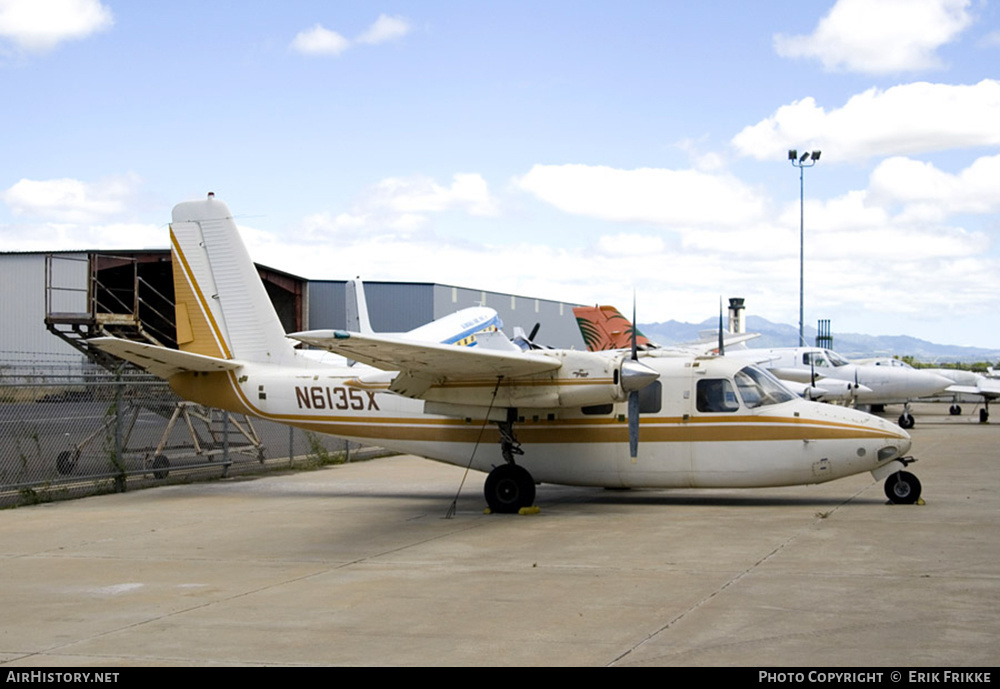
<point x="807" y="159"/>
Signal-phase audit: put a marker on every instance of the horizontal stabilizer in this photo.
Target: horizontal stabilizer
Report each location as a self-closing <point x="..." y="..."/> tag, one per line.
<point x="160" y="361"/>
<point x="427" y="359"/>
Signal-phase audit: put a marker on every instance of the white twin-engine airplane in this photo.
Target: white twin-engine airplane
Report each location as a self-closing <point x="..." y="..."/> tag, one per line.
<point x="549" y="415"/>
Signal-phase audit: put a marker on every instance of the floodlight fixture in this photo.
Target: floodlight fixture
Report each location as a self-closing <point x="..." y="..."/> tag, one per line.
<point x="793" y="154"/>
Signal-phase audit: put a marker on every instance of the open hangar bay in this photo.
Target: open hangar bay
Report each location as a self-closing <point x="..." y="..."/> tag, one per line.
<point x="357" y="565"/>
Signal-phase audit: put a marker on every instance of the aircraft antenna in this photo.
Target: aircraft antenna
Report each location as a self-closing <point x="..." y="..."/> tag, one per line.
<point x="453" y="508"/>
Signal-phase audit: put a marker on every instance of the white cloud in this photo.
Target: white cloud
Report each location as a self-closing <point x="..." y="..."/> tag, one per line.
<point x="70" y="200"/>
<point x="401" y="207"/>
<point x="906" y="119"/>
<point x="37" y="26"/>
<point x="644" y="195"/>
<point x="319" y="41"/>
<point x="322" y="41"/>
<point x="48" y="236"/>
<point x="424" y="195"/>
<point x="69" y="214"/>
<point x="881" y="36"/>
<point x="385" y="29"/>
<point x="879" y="249"/>
<point x="630" y="244"/>
<point x="914" y="183"/>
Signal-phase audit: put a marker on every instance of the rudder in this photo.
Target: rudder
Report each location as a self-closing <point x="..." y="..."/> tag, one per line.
<point x="222" y="308"/>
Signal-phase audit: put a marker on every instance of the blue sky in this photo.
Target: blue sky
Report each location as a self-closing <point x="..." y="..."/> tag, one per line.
<point x="564" y="150"/>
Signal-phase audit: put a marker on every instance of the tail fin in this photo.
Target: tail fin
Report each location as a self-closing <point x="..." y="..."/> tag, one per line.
<point x="222" y="308"/>
<point x="604" y="327"/>
<point x="357" y="308"/>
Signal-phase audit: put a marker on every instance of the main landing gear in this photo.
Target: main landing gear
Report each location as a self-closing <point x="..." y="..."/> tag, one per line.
<point x="984" y="413"/>
<point x="509" y="487"/>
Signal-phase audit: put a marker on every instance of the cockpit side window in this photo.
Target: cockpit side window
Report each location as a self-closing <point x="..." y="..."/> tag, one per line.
<point x="814" y="359"/>
<point x="716" y="395"/>
<point x="759" y="388"/>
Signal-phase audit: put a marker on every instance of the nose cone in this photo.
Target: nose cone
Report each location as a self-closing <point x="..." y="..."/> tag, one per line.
<point x="940" y="382"/>
<point x="896" y="438"/>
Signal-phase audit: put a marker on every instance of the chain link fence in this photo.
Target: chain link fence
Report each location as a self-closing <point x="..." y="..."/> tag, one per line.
<point x="71" y="428"/>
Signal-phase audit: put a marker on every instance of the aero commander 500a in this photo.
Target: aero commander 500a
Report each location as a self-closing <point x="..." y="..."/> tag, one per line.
<point x="605" y="419"/>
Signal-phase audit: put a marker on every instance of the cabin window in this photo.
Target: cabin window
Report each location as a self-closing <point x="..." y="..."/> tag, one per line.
<point x="716" y="395"/>
<point x="651" y="398"/>
<point x="598" y="409"/>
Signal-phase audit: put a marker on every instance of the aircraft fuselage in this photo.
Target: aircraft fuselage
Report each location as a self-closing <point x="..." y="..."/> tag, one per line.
<point x="682" y="442"/>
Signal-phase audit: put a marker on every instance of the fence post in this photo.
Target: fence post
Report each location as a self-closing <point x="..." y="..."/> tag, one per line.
<point x="119" y="460"/>
<point x="225" y="443"/>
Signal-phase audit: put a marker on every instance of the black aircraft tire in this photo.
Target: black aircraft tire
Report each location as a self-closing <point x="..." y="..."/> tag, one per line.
<point x="508" y="488"/>
<point x="902" y="488"/>
<point x="955" y="410"/>
<point x="906" y="421"/>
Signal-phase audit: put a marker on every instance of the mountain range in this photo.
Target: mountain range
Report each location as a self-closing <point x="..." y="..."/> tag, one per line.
<point x="850" y="345"/>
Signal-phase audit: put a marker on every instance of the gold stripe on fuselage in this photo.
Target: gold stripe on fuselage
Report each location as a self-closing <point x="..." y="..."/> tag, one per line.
<point x="222" y="390"/>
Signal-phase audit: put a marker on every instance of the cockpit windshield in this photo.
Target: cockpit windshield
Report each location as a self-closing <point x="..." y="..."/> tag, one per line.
<point x="758" y="388"/>
<point x="835" y="358"/>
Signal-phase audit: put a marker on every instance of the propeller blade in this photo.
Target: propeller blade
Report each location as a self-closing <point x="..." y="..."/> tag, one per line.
<point x="633" y="424"/>
<point x="635" y="344"/>
<point x="534" y="331"/>
<point x="634" y="377"/>
<point x="722" y="339"/>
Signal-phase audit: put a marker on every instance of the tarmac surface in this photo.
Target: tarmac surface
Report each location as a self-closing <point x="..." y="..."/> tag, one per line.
<point x="357" y="565"/>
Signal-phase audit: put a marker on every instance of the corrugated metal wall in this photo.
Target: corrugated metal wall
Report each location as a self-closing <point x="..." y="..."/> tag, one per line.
<point x="393" y="306"/>
<point x="558" y="324"/>
<point x="22" y="304"/>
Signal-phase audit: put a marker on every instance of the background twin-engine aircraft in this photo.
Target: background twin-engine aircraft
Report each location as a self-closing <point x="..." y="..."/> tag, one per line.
<point x="814" y="373"/>
<point x="618" y="418"/>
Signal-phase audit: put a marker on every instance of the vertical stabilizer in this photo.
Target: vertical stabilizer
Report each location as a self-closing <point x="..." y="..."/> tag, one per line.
<point x="357" y="308"/>
<point x="604" y="327"/>
<point x="222" y="307"/>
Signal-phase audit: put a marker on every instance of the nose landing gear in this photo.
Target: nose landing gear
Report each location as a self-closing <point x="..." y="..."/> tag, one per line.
<point x="902" y="488"/>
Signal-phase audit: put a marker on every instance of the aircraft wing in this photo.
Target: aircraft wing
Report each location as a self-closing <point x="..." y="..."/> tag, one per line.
<point x="160" y="361"/>
<point x="988" y="389"/>
<point x="428" y="360"/>
<point x="710" y="345"/>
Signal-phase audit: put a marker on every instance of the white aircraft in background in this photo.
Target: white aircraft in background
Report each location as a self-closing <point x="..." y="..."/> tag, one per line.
<point x="860" y="383"/>
<point x="962" y="383"/>
<point x="811" y="372"/>
<point x="464" y="328"/>
<point x="711" y="422"/>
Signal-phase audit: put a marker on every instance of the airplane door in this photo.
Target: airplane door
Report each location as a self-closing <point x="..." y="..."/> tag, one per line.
<point x="663" y="458"/>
